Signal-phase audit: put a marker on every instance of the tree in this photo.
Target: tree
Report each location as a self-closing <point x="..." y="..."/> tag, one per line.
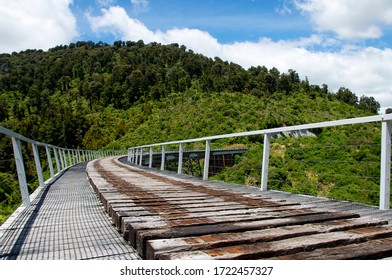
<point x="369" y="104"/>
<point x="347" y="96"/>
<point x="285" y="84"/>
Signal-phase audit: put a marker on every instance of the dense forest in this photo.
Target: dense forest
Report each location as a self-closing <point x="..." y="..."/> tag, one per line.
<point x="94" y="95"/>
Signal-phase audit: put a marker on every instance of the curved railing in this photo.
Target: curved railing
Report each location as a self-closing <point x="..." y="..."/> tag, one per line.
<point x="135" y="154"/>
<point x="63" y="159"/>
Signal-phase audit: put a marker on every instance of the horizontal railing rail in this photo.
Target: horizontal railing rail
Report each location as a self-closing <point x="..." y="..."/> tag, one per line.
<point x="135" y="154"/>
<point x="58" y="158"/>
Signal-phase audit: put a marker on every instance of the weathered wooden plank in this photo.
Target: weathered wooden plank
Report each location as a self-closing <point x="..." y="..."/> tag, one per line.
<point x="369" y="250"/>
<point x="138" y="238"/>
<point x="177" y="215"/>
<point x="164" y="246"/>
<point x="170" y="200"/>
<point x="120" y="213"/>
<point x="214" y="221"/>
<point x="284" y="247"/>
<point x="226" y="195"/>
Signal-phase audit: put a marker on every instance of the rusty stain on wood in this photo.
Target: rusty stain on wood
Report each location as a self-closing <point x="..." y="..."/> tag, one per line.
<point x="167" y="218"/>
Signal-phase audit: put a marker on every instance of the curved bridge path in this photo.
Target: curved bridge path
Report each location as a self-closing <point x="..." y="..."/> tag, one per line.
<point x="166" y="216"/>
<point x="66" y="221"/>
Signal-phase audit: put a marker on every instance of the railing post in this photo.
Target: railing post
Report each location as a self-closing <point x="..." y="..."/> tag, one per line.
<point x="141" y="157"/>
<point x="56" y="157"/>
<point x="70" y="157"/>
<point x="385" y="173"/>
<point x="21" y="171"/>
<point x="163" y="157"/>
<point x="38" y="166"/>
<point x="207" y="160"/>
<point x="67" y="158"/>
<point x="60" y="151"/>
<point x="64" y="159"/>
<point x="133" y="156"/>
<point x="150" y="159"/>
<point x="266" y="153"/>
<point x="180" y="157"/>
<point x="50" y="162"/>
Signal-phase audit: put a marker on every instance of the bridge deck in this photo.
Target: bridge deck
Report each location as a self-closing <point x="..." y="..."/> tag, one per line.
<point x="65" y="221"/>
<point x="166" y="216"/>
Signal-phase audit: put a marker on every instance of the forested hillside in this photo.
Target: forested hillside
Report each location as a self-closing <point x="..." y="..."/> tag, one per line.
<point x="93" y="95"/>
<point x="52" y="95"/>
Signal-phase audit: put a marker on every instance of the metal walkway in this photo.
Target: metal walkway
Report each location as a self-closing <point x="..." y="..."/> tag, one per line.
<point x="65" y="221"/>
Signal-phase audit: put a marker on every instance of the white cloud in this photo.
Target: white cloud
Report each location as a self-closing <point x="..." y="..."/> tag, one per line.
<point x="40" y="24"/>
<point x="139" y="5"/>
<point x="115" y="20"/>
<point x="348" y="19"/>
<point x="364" y="70"/>
<point x="105" y="3"/>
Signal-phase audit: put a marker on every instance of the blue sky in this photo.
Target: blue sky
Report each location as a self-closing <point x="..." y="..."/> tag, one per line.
<point x="342" y="43"/>
<point x="228" y="21"/>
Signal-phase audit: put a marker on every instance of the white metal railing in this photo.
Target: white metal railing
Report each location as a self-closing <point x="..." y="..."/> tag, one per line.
<point x="135" y="154"/>
<point x="64" y="158"/>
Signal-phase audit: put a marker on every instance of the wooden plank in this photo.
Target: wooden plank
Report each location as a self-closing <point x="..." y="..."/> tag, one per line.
<point x="177" y="215"/>
<point x="138" y="238"/>
<point x="284" y="247"/>
<point x="133" y="227"/>
<point x="120" y="213"/>
<point x="369" y="250"/>
<point x="162" y="246"/>
<point x="112" y="178"/>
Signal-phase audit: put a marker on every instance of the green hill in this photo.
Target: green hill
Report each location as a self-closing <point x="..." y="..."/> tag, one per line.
<point x="94" y="95"/>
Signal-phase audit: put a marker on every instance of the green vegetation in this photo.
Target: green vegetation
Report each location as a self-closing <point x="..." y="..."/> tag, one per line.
<point x="341" y="163"/>
<point x="93" y="95"/>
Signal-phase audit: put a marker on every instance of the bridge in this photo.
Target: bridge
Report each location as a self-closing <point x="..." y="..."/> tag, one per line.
<point x="115" y="205"/>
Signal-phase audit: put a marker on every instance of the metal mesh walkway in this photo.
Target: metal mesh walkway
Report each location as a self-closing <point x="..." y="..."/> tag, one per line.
<point x="65" y="222"/>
